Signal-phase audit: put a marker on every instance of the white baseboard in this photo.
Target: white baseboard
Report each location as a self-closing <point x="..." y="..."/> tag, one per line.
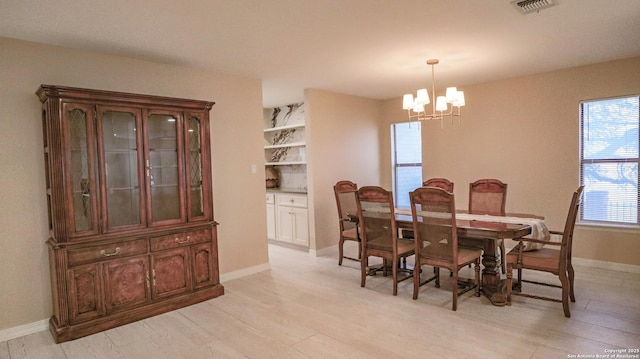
<point x="244" y="272"/>
<point x="621" y="267"/>
<point x="324" y="252"/>
<point x="22" y="330"/>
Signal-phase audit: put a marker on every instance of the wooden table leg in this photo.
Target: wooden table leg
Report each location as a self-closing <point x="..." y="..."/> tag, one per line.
<point x="492" y="284"/>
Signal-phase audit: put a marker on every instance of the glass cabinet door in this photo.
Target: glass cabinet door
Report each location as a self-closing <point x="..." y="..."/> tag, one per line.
<point x="163" y="164"/>
<point x="79" y="127"/>
<point x="195" y="189"/>
<point x="121" y="158"/>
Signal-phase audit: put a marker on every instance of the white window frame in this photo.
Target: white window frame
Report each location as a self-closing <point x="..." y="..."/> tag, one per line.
<point x="584" y="131"/>
<point x="395" y="165"/>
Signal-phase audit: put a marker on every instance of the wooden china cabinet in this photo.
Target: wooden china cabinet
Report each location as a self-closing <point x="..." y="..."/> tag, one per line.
<point x="131" y="228"/>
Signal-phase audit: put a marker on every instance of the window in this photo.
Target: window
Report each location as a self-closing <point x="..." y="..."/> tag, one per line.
<point x="406" y="142"/>
<point x="609" y="160"/>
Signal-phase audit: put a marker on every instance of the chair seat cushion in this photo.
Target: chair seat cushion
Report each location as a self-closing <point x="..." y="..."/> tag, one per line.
<point x="385" y="244"/>
<point x="545" y="259"/>
<point x="468" y="255"/>
<point x="443" y="253"/>
<point x="350" y="234"/>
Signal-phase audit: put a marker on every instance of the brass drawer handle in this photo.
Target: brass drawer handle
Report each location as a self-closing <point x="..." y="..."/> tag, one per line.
<point x="105" y="254"/>
<point x="181" y="241"/>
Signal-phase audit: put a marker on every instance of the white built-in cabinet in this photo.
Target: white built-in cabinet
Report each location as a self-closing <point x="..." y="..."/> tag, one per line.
<point x="290" y="218"/>
<point x="292" y="224"/>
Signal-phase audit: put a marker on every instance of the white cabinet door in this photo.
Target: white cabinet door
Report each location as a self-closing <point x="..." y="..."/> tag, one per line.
<point x="284" y="220"/>
<point x="300" y="226"/>
<point x="271" y="221"/>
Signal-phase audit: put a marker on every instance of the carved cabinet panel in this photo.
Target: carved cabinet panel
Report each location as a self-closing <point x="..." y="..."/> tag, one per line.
<point x="205" y="265"/>
<point x="170" y="272"/>
<point x="127" y="283"/>
<point x="86" y="293"/>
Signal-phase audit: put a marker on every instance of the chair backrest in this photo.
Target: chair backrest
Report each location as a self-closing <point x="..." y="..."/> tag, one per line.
<point x="434" y="221"/>
<point x="443" y="183"/>
<point x="487" y="196"/>
<point x="567" y="234"/>
<point x="346" y="193"/>
<point x="376" y="215"/>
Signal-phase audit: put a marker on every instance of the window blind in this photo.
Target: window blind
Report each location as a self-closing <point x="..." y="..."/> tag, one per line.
<point x="407" y="161"/>
<point x="609" y="160"/>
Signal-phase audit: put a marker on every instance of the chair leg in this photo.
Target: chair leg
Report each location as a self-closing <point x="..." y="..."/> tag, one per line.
<point x="359" y="250"/>
<point x="520" y="278"/>
<point x="340" y="251"/>
<point x="394" y="274"/>
<point x="571" y="276"/>
<point x="416" y="278"/>
<point x="565" y="293"/>
<point x="437" y="271"/>
<point x="477" y="269"/>
<point x="509" y="282"/>
<point x="364" y="263"/>
<point x="454" y="283"/>
<point x="502" y="256"/>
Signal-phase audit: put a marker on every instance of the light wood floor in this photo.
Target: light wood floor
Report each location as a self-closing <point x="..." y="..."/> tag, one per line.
<point x="307" y="307"/>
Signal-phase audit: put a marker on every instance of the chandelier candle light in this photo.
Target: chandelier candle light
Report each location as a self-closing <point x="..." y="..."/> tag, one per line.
<point x="440" y="108"/>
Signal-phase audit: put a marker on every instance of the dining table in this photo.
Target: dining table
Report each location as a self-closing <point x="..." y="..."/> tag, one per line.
<point x="484" y="231"/>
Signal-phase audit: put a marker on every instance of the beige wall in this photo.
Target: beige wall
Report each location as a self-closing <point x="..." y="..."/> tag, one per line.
<point x="236" y="144"/>
<point x="342" y="144"/>
<point x="524" y="131"/>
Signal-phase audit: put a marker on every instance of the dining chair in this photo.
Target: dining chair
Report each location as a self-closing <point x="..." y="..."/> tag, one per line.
<point x="555" y="261"/>
<point x="346" y="193"/>
<point x="443" y="183"/>
<point x="436" y="240"/>
<point x="440" y="183"/>
<point x="489" y="196"/>
<point x="431" y="182"/>
<point x="376" y="215"/>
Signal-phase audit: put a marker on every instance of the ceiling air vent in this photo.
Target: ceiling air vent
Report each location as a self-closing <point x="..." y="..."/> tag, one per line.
<point x="529" y="6"/>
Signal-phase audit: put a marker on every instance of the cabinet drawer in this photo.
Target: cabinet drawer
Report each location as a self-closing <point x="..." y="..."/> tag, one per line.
<point x="291" y="200"/>
<point x="270" y="198"/>
<point x="180" y="239"/>
<point x="107" y="251"/>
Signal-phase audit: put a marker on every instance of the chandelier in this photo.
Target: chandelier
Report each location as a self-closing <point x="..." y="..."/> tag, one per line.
<point x="440" y="105"/>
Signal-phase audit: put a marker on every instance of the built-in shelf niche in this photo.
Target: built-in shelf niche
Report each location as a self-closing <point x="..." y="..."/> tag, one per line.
<point x="285" y="142"/>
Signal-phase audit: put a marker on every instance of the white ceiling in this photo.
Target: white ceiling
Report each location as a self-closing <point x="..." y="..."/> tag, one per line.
<point x="369" y="48"/>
